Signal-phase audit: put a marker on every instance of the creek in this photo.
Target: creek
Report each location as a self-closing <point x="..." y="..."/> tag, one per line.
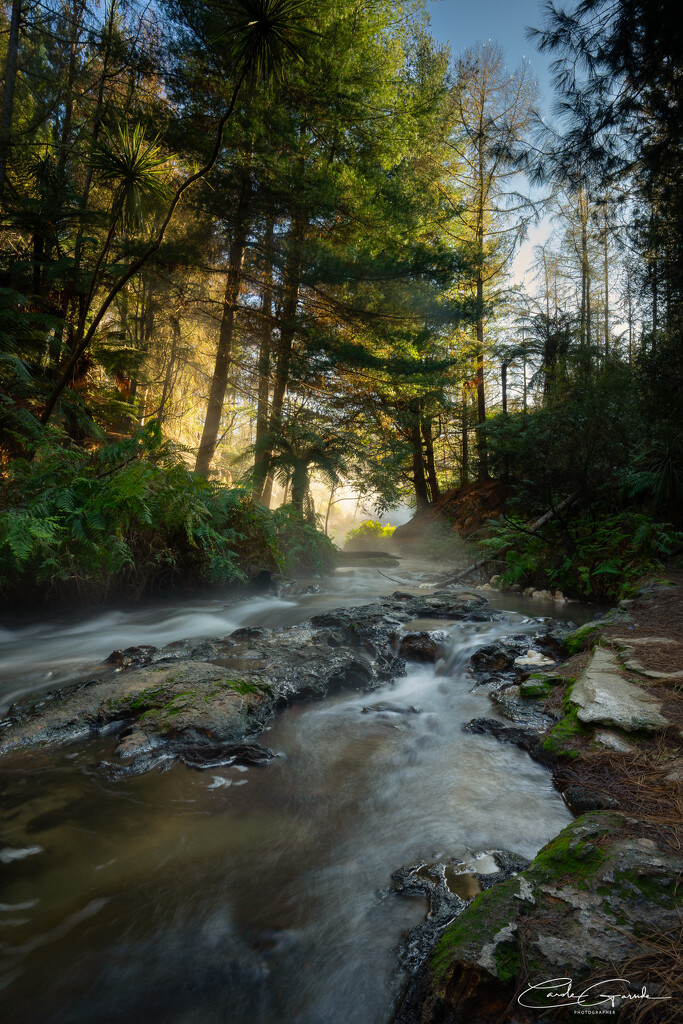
<point x="256" y="895"/>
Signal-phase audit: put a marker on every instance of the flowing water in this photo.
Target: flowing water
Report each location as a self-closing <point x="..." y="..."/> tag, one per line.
<point x="260" y="895"/>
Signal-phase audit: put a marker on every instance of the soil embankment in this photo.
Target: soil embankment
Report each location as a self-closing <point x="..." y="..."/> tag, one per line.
<point x="595" y="923"/>
<point x="464" y="511"/>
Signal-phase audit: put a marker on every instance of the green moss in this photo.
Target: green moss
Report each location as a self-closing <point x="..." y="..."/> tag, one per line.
<point x="534" y="688"/>
<point x="508" y="960"/>
<point x="559" y="740"/>
<point x="163" y="702"/>
<point x="581" y="638"/>
<point x="656" y="889"/>
<point x="243" y="687"/>
<point x="570" y="857"/>
<point x="547" y="677"/>
<point x="477" y="925"/>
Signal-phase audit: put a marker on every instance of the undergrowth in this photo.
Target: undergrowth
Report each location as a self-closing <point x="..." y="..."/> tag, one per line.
<point x="126" y="518"/>
<point x="597" y="557"/>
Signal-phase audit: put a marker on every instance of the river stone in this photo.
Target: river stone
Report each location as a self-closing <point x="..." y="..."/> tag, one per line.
<point x="422" y="645"/>
<point x="579" y="800"/>
<point x="604" y="697"/>
<point x="513" y="705"/>
<point x="534" y="659"/>
<point x="193" y="700"/>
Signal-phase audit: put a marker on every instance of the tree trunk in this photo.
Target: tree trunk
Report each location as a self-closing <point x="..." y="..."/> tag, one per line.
<point x="481" y="393"/>
<point x="299" y="488"/>
<point x="168" y="376"/>
<point x="419" y="480"/>
<point x="97" y="125"/>
<point x="219" y="381"/>
<point x="260" y="465"/>
<point x="465" y="473"/>
<point x="75" y="22"/>
<point x="429" y="459"/>
<point x="329" y="508"/>
<point x="482" y="454"/>
<point x="504" y="385"/>
<point x="8" y="91"/>
<point x="606" y="284"/>
<point x="288" y="328"/>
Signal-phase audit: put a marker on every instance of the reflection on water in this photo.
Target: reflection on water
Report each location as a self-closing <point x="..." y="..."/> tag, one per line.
<point x="257" y="896"/>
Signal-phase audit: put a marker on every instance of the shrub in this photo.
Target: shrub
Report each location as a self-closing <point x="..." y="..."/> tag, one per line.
<point x="370" y="532"/>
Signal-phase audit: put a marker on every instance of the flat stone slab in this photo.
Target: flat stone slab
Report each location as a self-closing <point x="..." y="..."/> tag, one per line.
<point x="613" y="741"/>
<point x="630" y="645"/>
<point x="604" y="697"/>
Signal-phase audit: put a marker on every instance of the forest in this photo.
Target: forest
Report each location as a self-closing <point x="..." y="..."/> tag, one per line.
<point x="258" y="254"/>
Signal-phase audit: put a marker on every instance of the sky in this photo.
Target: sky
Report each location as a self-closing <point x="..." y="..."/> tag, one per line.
<point x="463" y="23"/>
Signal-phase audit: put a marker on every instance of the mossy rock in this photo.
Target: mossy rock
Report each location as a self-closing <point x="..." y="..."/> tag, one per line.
<point x="561" y="738"/>
<point x="581" y="638"/>
<point x="534" y="688"/>
<point x="590" y="901"/>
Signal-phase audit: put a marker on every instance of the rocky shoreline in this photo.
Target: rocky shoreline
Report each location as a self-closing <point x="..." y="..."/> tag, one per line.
<point x="603" y="899"/>
<point x="588" y="705"/>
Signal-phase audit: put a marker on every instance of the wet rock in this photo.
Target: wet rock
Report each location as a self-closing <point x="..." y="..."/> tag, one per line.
<point x="247" y="633"/>
<point x="216" y="756"/>
<point x="335" y="638"/>
<point x="421" y="646"/>
<point x="579" y="800"/>
<point x="517" y="708"/>
<point x="495" y="663"/>
<point x="201" y="757"/>
<point x="390" y="706"/>
<point x="188" y="695"/>
<point x="141" y="655"/>
<point x="448" y="887"/>
<point x="177" y="702"/>
<point x="534" y="688"/>
<point x="160" y="760"/>
<point x="527" y="738"/>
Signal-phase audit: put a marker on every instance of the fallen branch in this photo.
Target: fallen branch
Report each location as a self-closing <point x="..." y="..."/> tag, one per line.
<point x="532" y="529"/>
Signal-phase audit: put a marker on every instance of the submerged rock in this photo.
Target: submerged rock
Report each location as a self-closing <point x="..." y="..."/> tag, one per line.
<point x="448" y="887"/>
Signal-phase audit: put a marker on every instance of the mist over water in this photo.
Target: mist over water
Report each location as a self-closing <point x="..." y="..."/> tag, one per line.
<point x="261" y="894"/>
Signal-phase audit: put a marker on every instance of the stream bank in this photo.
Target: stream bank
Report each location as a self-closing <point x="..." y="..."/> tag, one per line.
<point x="191" y="838"/>
<point x="602" y="900"/>
<point x="260" y="888"/>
